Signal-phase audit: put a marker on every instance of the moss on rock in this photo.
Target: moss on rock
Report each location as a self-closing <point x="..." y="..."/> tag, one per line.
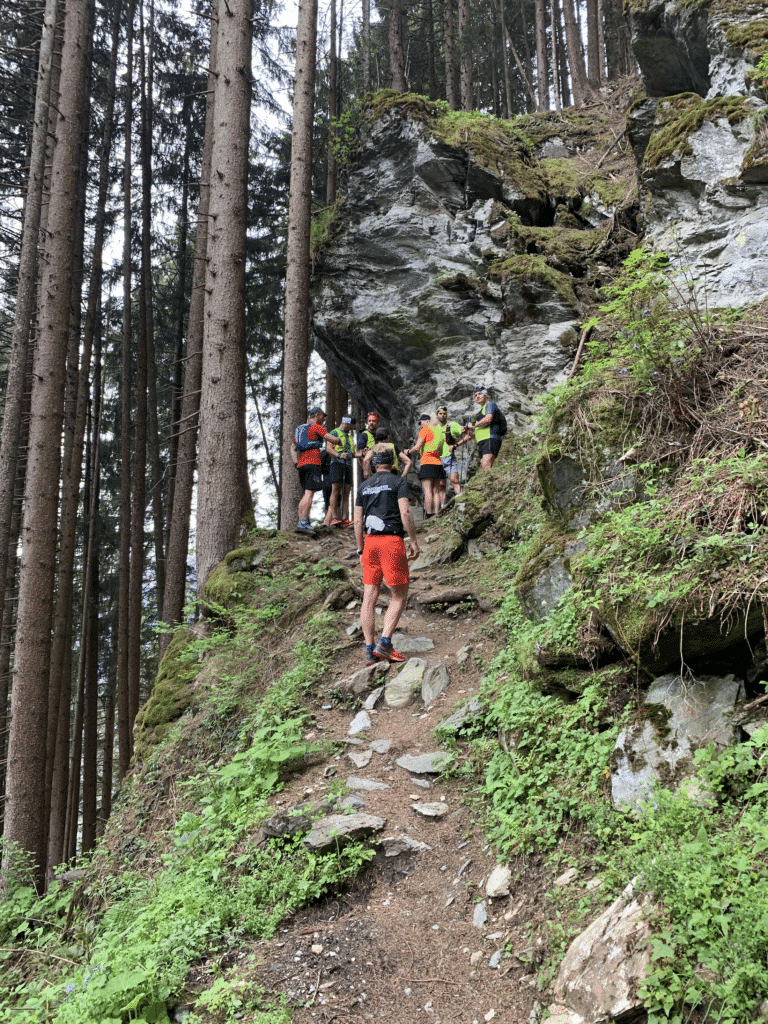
<point x="678" y="117"/>
<point x="170" y="697"/>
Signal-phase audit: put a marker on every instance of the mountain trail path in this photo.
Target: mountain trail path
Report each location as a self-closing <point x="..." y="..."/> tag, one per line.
<point x="415" y="937"/>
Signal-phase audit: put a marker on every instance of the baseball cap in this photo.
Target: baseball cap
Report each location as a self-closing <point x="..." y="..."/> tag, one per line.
<point x="315" y="410"/>
<point x="424" y="417"/>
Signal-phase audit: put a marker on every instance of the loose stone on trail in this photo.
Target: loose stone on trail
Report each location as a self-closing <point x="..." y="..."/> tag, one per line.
<point x="366" y="785"/>
<point x="425" y="764"/>
<point x="338" y="829"/>
<point x="433" y="811"/>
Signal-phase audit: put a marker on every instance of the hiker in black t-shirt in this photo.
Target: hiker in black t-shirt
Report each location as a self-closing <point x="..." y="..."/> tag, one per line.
<point x="382" y="518"/>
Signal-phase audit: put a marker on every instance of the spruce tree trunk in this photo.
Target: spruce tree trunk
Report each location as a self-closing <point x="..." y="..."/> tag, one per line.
<point x="26" y="823"/>
<point x="579" y="84"/>
<point x="396" y="48"/>
<point x="542" y="76"/>
<point x="466" y="56"/>
<point x="366" y="43"/>
<point x="330" y="181"/>
<point x="186" y="427"/>
<point x="26" y="294"/>
<point x="222" y="487"/>
<point x="296" y="345"/>
<point x="449" y="41"/>
<point x="124" y="722"/>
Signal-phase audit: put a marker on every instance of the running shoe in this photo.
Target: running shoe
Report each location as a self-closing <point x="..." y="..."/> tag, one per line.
<point x="337" y="523"/>
<point x="388" y="653"/>
<point x="348" y="522"/>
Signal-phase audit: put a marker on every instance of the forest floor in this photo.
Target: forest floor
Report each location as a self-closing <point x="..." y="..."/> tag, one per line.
<point x="399" y="945"/>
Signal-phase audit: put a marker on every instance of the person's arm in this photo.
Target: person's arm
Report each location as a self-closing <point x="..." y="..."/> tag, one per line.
<point x="331" y="439"/>
<point x="407" y="463"/>
<point x="358" y="521"/>
<point x="406" y="517"/>
<point x="367" y="455"/>
<point x="488" y="418"/>
<point x="416" y="450"/>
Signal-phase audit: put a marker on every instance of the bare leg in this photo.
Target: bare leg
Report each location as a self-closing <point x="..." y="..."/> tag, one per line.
<point x="305" y="504"/>
<point x="393" y="612"/>
<point x="335" y="501"/>
<point x="455" y="484"/>
<point x="487" y="460"/>
<point x="368" y="611"/>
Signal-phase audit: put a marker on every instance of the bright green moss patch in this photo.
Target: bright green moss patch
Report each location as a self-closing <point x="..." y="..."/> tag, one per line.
<point x="678" y="117"/>
<point x="171" y="695"/>
<point x="533" y="275"/>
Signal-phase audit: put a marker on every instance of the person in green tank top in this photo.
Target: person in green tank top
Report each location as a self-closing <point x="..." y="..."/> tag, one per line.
<point x="401" y="464"/>
<point x="454" y="435"/>
<point x="485" y="432"/>
<point x="340" y="474"/>
<point x="366" y="439"/>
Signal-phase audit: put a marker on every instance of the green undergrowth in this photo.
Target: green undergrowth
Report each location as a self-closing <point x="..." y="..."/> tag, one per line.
<point x="180" y="874"/>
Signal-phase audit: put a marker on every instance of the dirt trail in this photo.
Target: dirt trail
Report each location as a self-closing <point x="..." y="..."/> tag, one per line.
<point x="401" y="946"/>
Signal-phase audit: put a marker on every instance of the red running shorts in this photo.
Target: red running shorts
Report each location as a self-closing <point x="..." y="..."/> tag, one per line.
<point x="384" y="556"/>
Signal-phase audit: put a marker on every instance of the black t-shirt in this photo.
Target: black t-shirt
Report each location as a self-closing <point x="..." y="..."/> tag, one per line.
<point x="378" y="497"/>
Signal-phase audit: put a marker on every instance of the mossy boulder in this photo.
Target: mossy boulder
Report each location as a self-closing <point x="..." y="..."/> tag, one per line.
<point x="171" y="695"/>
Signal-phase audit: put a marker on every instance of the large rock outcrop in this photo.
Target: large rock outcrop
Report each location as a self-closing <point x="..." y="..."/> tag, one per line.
<point x="449" y="267"/>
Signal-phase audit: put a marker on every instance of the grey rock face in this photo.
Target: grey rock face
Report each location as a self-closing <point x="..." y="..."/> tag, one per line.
<point x="709" y="210"/>
<point x="670" y="44"/>
<point x="677" y="719"/>
<point x="599" y="976"/>
<point x="404" y="286"/>
<point x="465" y="715"/>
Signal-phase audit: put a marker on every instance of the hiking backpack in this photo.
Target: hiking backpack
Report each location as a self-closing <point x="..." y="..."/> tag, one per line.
<point x="500" y="422"/>
<point x="301" y="439"/>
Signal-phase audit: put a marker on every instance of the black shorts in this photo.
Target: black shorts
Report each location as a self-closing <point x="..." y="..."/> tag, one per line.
<point x="491" y="446"/>
<point x="310" y="479"/>
<point x="431" y="472"/>
<point x="339" y="473"/>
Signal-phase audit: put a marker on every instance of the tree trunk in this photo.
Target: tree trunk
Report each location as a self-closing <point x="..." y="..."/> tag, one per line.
<point x="396" y="49"/>
<point x="153" y="440"/>
<point x="222" y="489"/>
<point x="579" y="82"/>
<point x="449" y="41"/>
<point x="542" y="76"/>
<point x="330" y="182"/>
<point x="559" y="60"/>
<point x="186" y="427"/>
<point x="431" y="69"/>
<point x="298" y="266"/>
<point x="27" y="289"/>
<point x="466" y="56"/>
<point x="594" y="50"/>
<point x="26" y="823"/>
<point x="366" y="44"/>
<point x="125" y="738"/>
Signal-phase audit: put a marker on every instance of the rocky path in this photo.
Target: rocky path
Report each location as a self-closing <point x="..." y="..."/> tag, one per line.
<point x="425" y="931"/>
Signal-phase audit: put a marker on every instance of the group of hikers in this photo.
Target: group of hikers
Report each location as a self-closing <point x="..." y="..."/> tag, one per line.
<point x="382" y="513"/>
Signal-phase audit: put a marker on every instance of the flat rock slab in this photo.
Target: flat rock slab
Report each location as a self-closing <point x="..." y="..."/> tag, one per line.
<point x="393" y="846"/>
<point x="380" y="746"/>
<point x="425" y="764"/>
<point x="412" y="644"/>
<point x="365" y="785"/>
<point x="360" y="758"/>
<point x="432" y="811"/>
<point x="360" y="723"/>
<point x="362" y="681"/>
<point x="464" y="715"/>
<point x="400" y="691"/>
<point x="338" y="829"/>
<point x="434" y="681"/>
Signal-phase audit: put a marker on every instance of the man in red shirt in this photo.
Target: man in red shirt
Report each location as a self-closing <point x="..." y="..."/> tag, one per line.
<point x="306" y="458"/>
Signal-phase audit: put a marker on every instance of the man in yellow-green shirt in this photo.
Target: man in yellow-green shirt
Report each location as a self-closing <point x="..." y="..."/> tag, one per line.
<point x="485" y="430"/>
<point x="453" y="436"/>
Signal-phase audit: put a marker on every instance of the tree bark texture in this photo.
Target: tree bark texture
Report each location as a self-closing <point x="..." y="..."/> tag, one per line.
<point x="579" y="84"/>
<point x="396" y="47"/>
<point x="25" y="800"/>
<point x="542" y="76"/>
<point x="449" y="46"/>
<point x="465" y="56"/>
<point x="186" y="427"/>
<point x="222" y="488"/>
<point x="298" y="266"/>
